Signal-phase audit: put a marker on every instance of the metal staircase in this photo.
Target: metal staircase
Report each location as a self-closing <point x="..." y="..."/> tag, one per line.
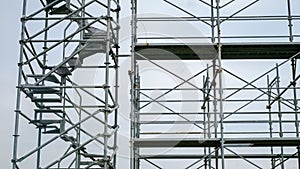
<point x="50" y="62"/>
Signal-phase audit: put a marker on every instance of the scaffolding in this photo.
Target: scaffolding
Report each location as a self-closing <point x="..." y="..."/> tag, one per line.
<point x="67" y="91"/>
<point x="189" y="109"/>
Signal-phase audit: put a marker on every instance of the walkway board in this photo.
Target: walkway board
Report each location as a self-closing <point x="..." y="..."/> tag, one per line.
<point x="190" y="142"/>
<point x="209" y="51"/>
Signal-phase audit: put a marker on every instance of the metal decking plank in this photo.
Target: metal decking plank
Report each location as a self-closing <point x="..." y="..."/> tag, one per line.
<point x="189" y="142"/>
<point x="208" y="51"/>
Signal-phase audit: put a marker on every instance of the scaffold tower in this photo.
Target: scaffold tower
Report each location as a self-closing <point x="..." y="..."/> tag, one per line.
<point x="67" y="91"/>
<point x="215" y="84"/>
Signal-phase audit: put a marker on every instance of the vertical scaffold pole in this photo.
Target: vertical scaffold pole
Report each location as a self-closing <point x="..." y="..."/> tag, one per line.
<point x="270" y="117"/>
<point x="290" y="21"/>
<point x="137" y="116"/>
<point x="220" y="83"/>
<point x="132" y="79"/>
<point x="212" y="18"/>
<point x="106" y="89"/>
<point x="116" y="91"/>
<point x="208" y="117"/>
<point x="294" y="68"/>
<point x="18" y="102"/>
<point x="205" y="122"/>
<point x="215" y="112"/>
<point x="279" y="113"/>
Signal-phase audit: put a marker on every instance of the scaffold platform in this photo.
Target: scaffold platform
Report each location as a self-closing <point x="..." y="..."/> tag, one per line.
<point x="171" y="51"/>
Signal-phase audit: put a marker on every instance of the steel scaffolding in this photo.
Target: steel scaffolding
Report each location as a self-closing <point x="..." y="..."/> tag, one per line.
<point x="67" y="91"/>
<point x="214" y="117"/>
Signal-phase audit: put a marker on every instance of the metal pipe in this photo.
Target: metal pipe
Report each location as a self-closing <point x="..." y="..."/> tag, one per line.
<point x="137" y="115"/>
<point x="18" y="101"/>
<point x="116" y="114"/>
<point x="208" y="18"/>
<point x="279" y="114"/>
<point x="220" y="83"/>
<point x="228" y="156"/>
<point x="225" y="122"/>
<point x="106" y="89"/>
<point x="215" y="112"/>
<point x="204" y="81"/>
<point x="209" y="88"/>
<point x="60" y="87"/>
<point x="228" y="100"/>
<point x="132" y="76"/>
<point x="227" y="88"/>
<point x="270" y="119"/>
<point x="207" y="112"/>
<point x="290" y="20"/>
<point x="78" y="131"/>
<point x="212" y="21"/>
<point x="222" y="37"/>
<point x="294" y="83"/>
<point x="231" y="133"/>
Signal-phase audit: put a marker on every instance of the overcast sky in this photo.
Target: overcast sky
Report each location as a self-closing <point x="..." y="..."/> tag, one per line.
<point x="10" y="12"/>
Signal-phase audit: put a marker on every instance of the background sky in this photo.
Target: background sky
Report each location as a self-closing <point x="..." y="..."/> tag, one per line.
<point x="10" y="13"/>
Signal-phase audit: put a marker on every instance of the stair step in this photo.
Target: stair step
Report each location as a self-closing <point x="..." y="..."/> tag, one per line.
<point x="50" y="1"/>
<point x="87" y="162"/>
<point x="95" y="43"/>
<point x="52" y="100"/>
<point x="68" y="138"/>
<point x="48" y="111"/>
<point x="64" y="9"/>
<point x="46" y="122"/>
<point x="45" y="91"/>
<point x="92" y="155"/>
<point x="63" y="71"/>
<point x="75" y="62"/>
<point x="101" y="163"/>
<point x="90" y="50"/>
<point x="50" y="78"/>
<point x="95" y="34"/>
<point x="74" y="145"/>
<point x="54" y="131"/>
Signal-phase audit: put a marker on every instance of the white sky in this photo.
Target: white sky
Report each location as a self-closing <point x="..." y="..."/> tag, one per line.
<point x="10" y="12"/>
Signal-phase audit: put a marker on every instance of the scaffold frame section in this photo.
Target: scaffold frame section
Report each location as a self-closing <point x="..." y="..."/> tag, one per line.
<point x="254" y="121"/>
<point x="61" y="99"/>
